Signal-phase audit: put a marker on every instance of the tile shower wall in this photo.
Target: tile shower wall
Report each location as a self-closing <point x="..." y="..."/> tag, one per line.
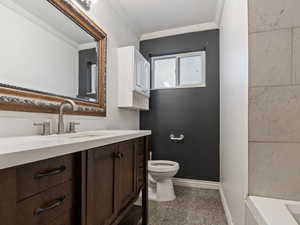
<point x="274" y="98"/>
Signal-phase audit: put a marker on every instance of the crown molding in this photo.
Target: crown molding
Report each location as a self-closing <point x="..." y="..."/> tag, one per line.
<point x="179" y="30"/>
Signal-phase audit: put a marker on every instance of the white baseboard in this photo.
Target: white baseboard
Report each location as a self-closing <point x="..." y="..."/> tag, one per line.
<point x="225" y="206"/>
<point x="196" y="183"/>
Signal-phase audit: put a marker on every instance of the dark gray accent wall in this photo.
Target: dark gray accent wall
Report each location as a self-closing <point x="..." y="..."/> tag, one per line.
<point x="193" y="112"/>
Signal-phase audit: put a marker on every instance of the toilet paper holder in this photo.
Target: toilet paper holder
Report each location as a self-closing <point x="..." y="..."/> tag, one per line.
<point x="173" y="138"/>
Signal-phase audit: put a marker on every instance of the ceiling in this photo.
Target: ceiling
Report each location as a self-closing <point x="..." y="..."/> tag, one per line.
<point x="148" y="16"/>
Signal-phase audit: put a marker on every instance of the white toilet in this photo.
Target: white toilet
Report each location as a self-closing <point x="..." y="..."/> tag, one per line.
<point x="160" y="180"/>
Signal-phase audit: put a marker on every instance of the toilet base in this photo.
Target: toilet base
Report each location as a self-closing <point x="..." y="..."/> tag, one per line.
<point x="162" y="191"/>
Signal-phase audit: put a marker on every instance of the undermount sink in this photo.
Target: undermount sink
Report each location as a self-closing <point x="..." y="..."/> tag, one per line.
<point x="295" y="211"/>
<point x="93" y="134"/>
<point x="85" y="135"/>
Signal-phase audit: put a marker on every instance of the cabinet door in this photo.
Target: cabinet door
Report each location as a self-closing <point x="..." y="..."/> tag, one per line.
<point x="140" y="71"/>
<point x="101" y="186"/>
<point x="126" y="174"/>
<point x="8" y="196"/>
<point x="147" y="75"/>
<point x="142" y="75"/>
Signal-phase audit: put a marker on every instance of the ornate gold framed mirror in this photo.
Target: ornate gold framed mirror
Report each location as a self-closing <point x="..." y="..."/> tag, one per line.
<point x="51" y="51"/>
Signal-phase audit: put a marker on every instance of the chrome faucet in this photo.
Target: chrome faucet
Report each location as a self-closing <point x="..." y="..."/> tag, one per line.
<point x="61" y="125"/>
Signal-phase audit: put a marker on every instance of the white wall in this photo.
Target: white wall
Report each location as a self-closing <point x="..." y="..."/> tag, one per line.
<point x="234" y="107"/>
<point x="17" y="123"/>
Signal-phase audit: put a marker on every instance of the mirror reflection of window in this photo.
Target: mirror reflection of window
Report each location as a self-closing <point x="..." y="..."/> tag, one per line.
<point x="88" y="73"/>
<point x="94" y="78"/>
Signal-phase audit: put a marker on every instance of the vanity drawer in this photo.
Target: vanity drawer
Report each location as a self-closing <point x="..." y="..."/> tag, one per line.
<point x="46" y="207"/>
<point x="65" y="219"/>
<point x="39" y="176"/>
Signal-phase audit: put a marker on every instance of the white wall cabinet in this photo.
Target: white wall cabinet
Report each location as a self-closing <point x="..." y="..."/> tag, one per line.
<point x="134" y="79"/>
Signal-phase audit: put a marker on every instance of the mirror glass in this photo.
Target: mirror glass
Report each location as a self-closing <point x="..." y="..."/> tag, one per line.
<point x="43" y="50"/>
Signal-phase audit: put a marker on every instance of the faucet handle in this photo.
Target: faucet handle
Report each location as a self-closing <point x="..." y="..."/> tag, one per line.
<point x="72" y="127"/>
<point x="45" y="127"/>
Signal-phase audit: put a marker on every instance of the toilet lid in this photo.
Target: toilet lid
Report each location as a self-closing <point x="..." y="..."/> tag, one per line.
<point x="162" y="166"/>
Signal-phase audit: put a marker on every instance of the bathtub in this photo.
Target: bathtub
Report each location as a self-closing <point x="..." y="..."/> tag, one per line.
<point x="268" y="211"/>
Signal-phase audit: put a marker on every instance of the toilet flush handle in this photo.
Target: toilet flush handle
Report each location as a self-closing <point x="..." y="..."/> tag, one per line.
<point x="173" y="138"/>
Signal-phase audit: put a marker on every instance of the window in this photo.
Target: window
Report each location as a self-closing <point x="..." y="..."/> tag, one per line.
<point x="181" y="70"/>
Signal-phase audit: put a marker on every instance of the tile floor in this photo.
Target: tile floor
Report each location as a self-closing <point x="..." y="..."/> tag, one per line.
<point x="192" y="206"/>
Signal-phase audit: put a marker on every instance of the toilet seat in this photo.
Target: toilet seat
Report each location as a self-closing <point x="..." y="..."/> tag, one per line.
<point x="162" y="166"/>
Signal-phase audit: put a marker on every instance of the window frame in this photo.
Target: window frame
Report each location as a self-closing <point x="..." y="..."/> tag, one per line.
<point x="177" y="69"/>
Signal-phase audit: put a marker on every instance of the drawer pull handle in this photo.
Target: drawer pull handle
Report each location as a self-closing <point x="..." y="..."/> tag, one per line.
<point x="50" y="172"/>
<point x="56" y="203"/>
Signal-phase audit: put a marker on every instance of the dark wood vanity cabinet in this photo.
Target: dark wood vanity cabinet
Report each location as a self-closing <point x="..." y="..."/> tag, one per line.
<point x="126" y="174"/>
<point x="39" y="193"/>
<point x="101" y="186"/>
<point x="8" y="196"/>
<point x="93" y="187"/>
<point x="112" y="181"/>
<point x="40" y="176"/>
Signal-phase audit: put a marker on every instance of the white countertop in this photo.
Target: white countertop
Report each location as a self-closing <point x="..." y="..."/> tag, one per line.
<point x="268" y="211"/>
<point x="21" y="150"/>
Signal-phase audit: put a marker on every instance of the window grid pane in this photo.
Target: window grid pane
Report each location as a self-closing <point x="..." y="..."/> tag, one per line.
<point x="182" y="70"/>
<point x="164" y="73"/>
<point x="190" y="70"/>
